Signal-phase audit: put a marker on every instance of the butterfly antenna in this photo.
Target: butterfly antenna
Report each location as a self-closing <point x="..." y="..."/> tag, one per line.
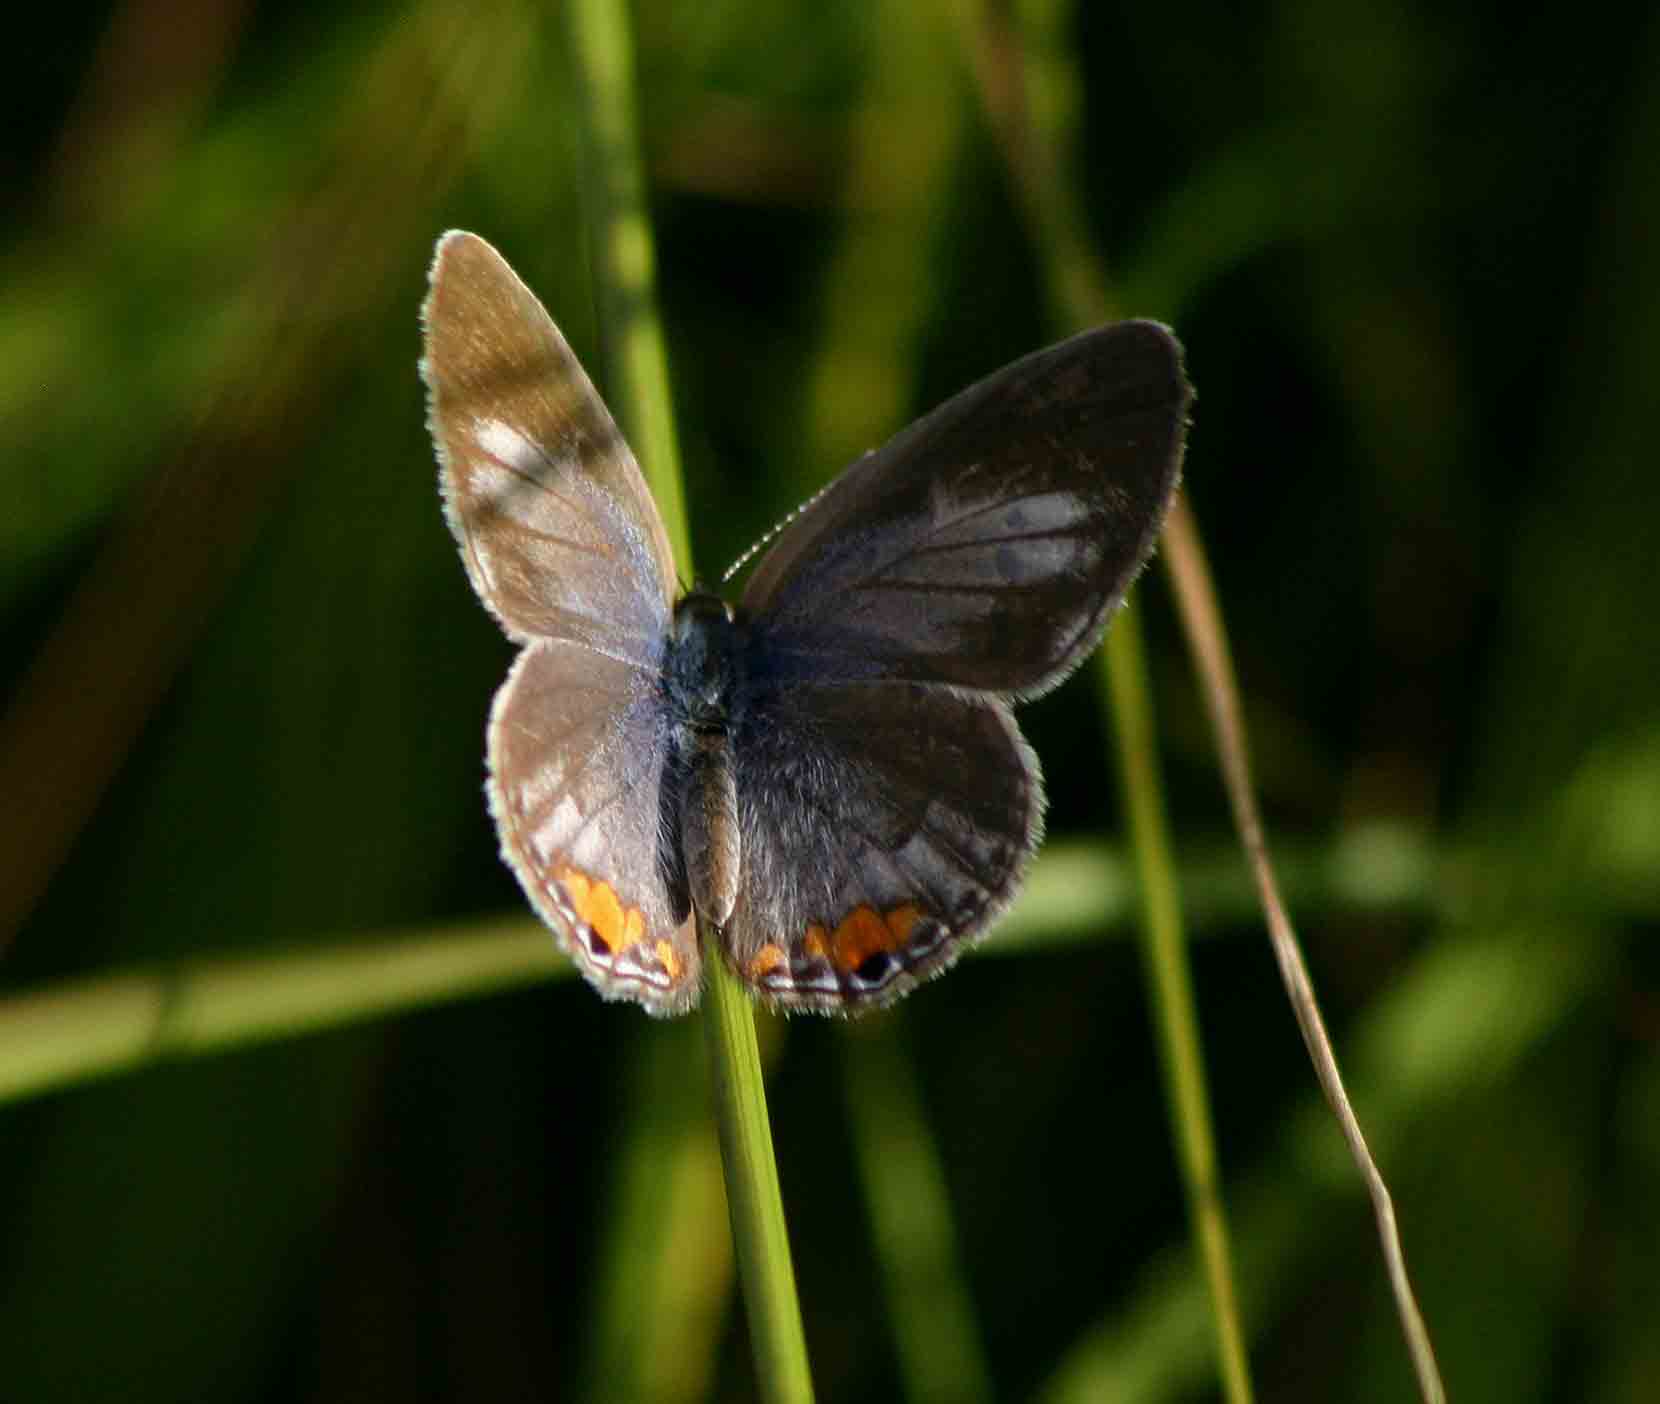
<point x="777" y="527"/>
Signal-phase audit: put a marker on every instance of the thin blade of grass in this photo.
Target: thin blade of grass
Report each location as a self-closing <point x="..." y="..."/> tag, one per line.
<point x="752" y="1195"/>
<point x="76" y="1031"/>
<point x="1207" y="640"/>
<point x="1170" y="981"/>
<point x="81" y="1030"/>
<point x="602" y="52"/>
<point x="1422" y="1046"/>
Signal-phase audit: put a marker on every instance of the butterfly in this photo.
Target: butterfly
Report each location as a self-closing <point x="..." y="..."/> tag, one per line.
<point x="828" y="771"/>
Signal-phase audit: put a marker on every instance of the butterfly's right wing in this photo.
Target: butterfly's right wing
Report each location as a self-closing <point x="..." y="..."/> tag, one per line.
<point x="557" y="528"/>
<point x="888" y="805"/>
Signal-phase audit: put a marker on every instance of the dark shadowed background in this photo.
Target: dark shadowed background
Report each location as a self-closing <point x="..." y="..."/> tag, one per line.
<point x="1412" y="255"/>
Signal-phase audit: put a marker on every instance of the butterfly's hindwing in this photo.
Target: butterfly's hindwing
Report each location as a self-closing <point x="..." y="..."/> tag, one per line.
<point x="883" y="827"/>
<point x="578" y="753"/>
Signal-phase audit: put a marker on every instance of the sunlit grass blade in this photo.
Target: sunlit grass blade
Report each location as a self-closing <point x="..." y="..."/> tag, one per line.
<point x="123" y="1022"/>
<point x="80" y="1030"/>
<point x="601" y="48"/>
<point x="753" y="1200"/>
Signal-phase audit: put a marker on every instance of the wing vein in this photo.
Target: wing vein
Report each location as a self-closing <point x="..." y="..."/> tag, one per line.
<point x="1045" y="534"/>
<point x="908" y="877"/>
<point x="571" y="504"/>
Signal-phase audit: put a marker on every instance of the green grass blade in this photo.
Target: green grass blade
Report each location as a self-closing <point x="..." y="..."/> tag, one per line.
<point x="1170" y="982"/>
<point x="624" y="261"/>
<point x="602" y="51"/>
<point x="81" y="1030"/>
<point x="752" y="1195"/>
<point x="75" y="1031"/>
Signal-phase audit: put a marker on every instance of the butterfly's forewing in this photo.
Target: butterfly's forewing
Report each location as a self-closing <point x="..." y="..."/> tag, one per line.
<point x="986" y="545"/>
<point x="557" y="528"/>
<point x="562" y="541"/>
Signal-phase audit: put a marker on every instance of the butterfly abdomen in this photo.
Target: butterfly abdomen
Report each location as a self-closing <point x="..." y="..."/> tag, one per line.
<point x="709" y="822"/>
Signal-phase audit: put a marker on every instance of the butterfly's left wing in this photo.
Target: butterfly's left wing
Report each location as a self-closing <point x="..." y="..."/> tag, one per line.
<point x="556" y="525"/>
<point x="883" y="826"/>
<point x="562" y="541"/>
<point x="887" y="802"/>
<point x="985" y="546"/>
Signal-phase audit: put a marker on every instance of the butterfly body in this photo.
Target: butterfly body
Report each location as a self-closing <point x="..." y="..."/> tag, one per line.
<point x="704" y="693"/>
<point x="828" y="770"/>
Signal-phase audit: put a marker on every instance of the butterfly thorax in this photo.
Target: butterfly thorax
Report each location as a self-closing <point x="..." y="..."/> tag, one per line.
<point x="702" y="662"/>
<point x="702" y="676"/>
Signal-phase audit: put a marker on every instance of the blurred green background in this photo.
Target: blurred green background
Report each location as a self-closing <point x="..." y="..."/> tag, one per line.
<point x="1411" y="252"/>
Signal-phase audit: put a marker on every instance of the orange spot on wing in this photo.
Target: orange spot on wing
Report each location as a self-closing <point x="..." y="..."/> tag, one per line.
<point x="900" y="922"/>
<point x="816" y="941"/>
<point x="576" y="886"/>
<point x="597" y="904"/>
<point x="860" y="935"/>
<point x="765" y="961"/>
<point x="865" y="932"/>
<point x="665" y="953"/>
